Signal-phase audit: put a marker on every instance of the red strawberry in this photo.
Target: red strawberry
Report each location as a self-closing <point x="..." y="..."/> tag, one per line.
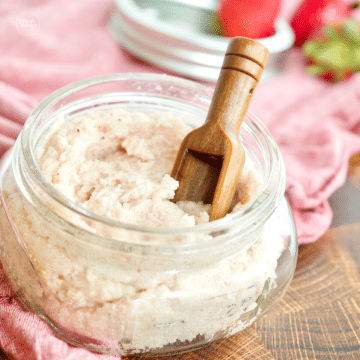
<point x="313" y="14"/>
<point x="250" y="18"/>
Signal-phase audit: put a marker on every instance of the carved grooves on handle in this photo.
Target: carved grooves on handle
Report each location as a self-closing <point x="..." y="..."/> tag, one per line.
<point x="240" y="70"/>
<point x="246" y="57"/>
<point x="244" y="64"/>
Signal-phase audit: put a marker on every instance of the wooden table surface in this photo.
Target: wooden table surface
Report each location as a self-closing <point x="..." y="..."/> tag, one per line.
<point x="319" y="317"/>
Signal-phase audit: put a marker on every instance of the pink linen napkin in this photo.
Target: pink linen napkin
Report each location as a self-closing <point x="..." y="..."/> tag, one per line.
<point x="25" y="337"/>
<point x="47" y="44"/>
<point x="317" y="127"/>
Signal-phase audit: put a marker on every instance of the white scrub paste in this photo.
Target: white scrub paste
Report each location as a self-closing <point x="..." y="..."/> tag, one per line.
<point x="116" y="164"/>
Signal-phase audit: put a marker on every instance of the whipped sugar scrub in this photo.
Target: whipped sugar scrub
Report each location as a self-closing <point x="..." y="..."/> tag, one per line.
<point x="117" y="164"/>
<point x="92" y="242"/>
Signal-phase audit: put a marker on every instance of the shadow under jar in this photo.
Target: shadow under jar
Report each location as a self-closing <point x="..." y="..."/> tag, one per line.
<point x="121" y="288"/>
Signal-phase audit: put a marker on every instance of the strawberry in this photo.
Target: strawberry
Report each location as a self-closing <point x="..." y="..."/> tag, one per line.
<point x="249" y="18"/>
<point x="334" y="53"/>
<point x="313" y="14"/>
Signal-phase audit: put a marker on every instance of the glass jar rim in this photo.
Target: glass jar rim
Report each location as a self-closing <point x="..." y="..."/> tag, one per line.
<point x="272" y="189"/>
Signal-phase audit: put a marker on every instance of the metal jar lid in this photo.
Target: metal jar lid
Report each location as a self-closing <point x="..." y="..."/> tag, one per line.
<point x="183" y="36"/>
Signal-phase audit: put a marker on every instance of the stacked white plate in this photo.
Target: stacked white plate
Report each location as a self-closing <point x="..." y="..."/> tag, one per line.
<point x="183" y="36"/>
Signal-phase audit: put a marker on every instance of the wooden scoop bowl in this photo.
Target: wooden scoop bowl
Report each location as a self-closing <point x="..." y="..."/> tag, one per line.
<point x="209" y="162"/>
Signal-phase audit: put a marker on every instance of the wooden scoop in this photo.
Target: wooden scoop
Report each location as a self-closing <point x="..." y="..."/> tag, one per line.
<point x="209" y="162"/>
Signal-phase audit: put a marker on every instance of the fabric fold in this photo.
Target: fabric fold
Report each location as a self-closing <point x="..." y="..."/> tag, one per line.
<point x="45" y="45"/>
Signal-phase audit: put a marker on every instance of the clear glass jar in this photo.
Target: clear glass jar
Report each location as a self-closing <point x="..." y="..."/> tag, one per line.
<point x="120" y="288"/>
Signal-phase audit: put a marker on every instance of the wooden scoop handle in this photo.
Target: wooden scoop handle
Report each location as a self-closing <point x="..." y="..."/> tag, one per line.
<point x="242" y="68"/>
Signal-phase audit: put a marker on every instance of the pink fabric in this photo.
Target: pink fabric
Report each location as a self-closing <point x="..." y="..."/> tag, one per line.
<point x="316" y="124"/>
<point x="25" y="337"/>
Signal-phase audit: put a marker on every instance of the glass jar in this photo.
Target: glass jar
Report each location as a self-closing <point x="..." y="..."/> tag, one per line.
<point x="121" y="288"/>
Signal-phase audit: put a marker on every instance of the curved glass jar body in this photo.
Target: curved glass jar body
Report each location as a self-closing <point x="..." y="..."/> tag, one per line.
<point x="128" y="289"/>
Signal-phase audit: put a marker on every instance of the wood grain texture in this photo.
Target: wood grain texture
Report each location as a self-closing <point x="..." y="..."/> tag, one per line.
<point x="354" y="170"/>
<point x="318" y="318"/>
<point x="209" y="162"/>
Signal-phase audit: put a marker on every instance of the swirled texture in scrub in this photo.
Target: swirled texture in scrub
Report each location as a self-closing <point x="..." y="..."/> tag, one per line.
<point x="116" y="163"/>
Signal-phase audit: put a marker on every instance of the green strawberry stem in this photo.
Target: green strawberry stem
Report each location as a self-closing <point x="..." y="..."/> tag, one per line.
<point x="335" y="53"/>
